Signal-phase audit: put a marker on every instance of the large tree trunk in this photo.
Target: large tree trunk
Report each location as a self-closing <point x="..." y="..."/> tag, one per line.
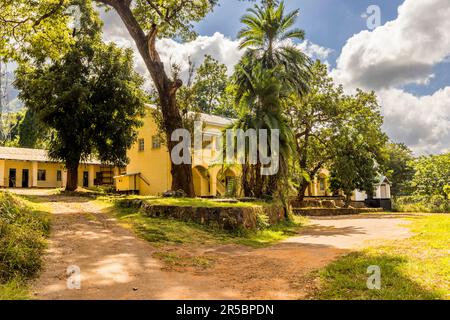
<point x="167" y="90"/>
<point x="348" y="200"/>
<point x="72" y="176"/>
<point x="302" y="190"/>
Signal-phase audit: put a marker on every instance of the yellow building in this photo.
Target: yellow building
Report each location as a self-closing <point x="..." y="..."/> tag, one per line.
<point x="148" y="172"/>
<point x="32" y="168"/>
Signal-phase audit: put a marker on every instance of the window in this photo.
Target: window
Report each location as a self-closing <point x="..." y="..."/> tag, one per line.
<point x="141" y="144"/>
<point x="58" y="175"/>
<point x="322" y="184"/>
<point x="41" y="175"/>
<point x="207" y="142"/>
<point x="156" y="142"/>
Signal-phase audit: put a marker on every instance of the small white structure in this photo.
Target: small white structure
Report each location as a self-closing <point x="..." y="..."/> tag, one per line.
<point x="382" y="190"/>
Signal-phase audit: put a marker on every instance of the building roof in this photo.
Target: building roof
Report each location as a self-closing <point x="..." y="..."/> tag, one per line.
<point x="382" y="179"/>
<point x="26" y="154"/>
<point x="208" y="118"/>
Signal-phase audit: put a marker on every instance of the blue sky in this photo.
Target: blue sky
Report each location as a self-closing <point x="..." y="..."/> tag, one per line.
<point x="405" y="60"/>
<point x="328" y="23"/>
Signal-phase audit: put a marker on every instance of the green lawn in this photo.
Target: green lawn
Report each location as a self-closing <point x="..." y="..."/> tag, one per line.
<point x="24" y="227"/>
<point x="188" y="202"/>
<point x="414" y="268"/>
<point x="161" y="231"/>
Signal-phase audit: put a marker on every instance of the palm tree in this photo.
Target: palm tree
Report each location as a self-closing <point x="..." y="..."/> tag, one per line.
<point x="268" y="36"/>
<point x="260" y="108"/>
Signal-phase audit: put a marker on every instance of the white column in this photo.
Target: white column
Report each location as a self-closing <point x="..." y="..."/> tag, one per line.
<point x="315" y="187"/>
<point x="64" y="178"/>
<point x="2" y="173"/>
<point x="91" y="176"/>
<point x="34" y="174"/>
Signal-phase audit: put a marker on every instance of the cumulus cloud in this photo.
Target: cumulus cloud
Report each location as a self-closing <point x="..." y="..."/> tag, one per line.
<point x="314" y="51"/>
<point x="423" y="123"/>
<point x="221" y="48"/>
<point x="400" y="52"/>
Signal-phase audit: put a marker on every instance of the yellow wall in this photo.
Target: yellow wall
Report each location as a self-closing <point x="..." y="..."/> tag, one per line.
<point x="50" y="168"/>
<point x="154" y="165"/>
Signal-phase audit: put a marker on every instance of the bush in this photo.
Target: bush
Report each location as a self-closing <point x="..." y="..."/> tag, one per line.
<point x="22" y="239"/>
<point x="427" y="204"/>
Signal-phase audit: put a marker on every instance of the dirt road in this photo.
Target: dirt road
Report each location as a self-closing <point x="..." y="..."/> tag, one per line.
<point x="115" y="264"/>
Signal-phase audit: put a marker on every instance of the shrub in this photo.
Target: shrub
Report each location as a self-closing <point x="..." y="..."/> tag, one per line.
<point x="428" y="204"/>
<point x="22" y="239"/>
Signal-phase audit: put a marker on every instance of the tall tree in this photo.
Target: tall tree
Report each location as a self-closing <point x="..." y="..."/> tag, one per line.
<point x="208" y="89"/>
<point x="91" y="98"/>
<point x="400" y="171"/>
<point x="359" y="156"/>
<point x="315" y="119"/>
<point x="210" y="84"/>
<point x="271" y="70"/>
<point x="146" y="21"/>
<point x="353" y="168"/>
<point x="260" y="108"/>
<point x="268" y="35"/>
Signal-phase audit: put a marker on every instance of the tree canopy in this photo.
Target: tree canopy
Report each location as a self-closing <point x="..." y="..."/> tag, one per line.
<point x="432" y="174"/>
<point x="91" y="98"/>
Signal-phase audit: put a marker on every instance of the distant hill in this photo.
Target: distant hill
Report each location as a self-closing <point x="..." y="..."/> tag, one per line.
<point x="12" y="94"/>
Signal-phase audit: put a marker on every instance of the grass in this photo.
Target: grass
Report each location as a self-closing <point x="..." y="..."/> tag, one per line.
<point x="23" y="231"/>
<point x="188" y="202"/>
<point x="414" y="268"/>
<point x="163" y="231"/>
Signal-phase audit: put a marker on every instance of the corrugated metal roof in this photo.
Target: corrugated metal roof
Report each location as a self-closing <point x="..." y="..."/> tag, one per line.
<point x="26" y="154"/>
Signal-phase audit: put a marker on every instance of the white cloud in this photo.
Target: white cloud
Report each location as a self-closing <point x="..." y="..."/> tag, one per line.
<point x="314" y="51"/>
<point x="401" y="51"/>
<point x="423" y="123"/>
<point x="221" y="48"/>
<point x="218" y="46"/>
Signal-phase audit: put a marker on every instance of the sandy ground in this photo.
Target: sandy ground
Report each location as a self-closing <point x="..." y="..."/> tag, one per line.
<point x="115" y="264"/>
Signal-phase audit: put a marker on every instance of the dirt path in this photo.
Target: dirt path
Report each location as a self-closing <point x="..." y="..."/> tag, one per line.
<point x="115" y="264"/>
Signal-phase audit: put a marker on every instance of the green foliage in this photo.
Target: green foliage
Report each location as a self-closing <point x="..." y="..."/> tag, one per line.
<point x="27" y="32"/>
<point x="209" y="85"/>
<point x="271" y="70"/>
<point x="315" y="119"/>
<point x="172" y="18"/>
<point x="261" y="109"/>
<point x="32" y="132"/>
<point x="447" y="191"/>
<point x="22" y="240"/>
<point x="91" y="98"/>
<point x="399" y="168"/>
<point x="422" y="203"/>
<point x="268" y="36"/>
<point x="432" y="174"/>
<point x="359" y="145"/>
<point x="209" y="90"/>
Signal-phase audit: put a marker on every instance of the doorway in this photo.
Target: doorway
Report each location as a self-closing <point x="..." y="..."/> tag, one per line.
<point x="12" y="178"/>
<point x="85" y="179"/>
<point x="25" y="178"/>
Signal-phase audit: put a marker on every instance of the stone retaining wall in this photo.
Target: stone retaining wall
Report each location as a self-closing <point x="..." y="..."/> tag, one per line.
<point x="228" y="218"/>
